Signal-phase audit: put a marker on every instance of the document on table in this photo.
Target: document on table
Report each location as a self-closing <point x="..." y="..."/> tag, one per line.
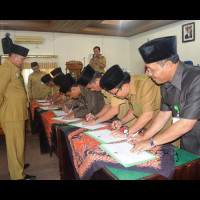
<point x="44" y="104"/>
<point x="48" y="108"/>
<point x="103" y="136"/>
<point x="121" y="152"/>
<point x="41" y="101"/>
<point x="59" y="113"/>
<point x="66" y="120"/>
<point x="80" y="124"/>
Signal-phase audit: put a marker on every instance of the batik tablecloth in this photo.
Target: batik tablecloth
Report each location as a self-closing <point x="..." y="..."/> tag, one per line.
<point x="87" y="157"/>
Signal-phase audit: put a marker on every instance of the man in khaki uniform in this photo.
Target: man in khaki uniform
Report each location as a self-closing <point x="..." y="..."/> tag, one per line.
<point x="114" y="108"/>
<point x="84" y="101"/>
<point x="143" y="95"/>
<point x="98" y="62"/>
<point x="48" y="81"/>
<point x="13" y="111"/>
<point x="36" y="88"/>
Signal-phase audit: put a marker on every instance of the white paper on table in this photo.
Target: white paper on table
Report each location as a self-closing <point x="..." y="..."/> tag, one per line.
<point x="121" y="152"/>
<point x="41" y="101"/>
<point x="66" y="120"/>
<point x="103" y="136"/>
<point x="60" y="113"/>
<point x="48" y="108"/>
<point x="80" y="124"/>
<point x="44" y="104"/>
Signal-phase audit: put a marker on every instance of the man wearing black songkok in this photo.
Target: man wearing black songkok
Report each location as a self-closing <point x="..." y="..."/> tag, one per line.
<point x="180" y="86"/>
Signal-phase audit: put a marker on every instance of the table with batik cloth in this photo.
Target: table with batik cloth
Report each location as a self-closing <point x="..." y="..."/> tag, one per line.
<point x="80" y="157"/>
<point x="42" y="124"/>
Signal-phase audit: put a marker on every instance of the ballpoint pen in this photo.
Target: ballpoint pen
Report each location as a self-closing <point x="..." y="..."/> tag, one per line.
<point x="88" y="116"/>
<point x="71" y="110"/>
<point x="134" y="135"/>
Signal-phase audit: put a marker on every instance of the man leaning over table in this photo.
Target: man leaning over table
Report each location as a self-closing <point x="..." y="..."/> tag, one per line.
<point x="180" y="97"/>
<point x="113" y="109"/>
<point x="83" y="100"/>
<point x="143" y="95"/>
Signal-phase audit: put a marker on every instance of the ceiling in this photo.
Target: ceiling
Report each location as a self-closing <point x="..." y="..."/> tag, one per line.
<point x="123" y="28"/>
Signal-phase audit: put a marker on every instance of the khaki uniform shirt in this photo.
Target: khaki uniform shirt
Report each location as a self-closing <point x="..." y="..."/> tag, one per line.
<point x="145" y="96"/>
<point x="114" y="101"/>
<point x="36" y="88"/>
<point x="13" y="98"/>
<point x="88" y="101"/>
<point x="54" y="89"/>
<point x="96" y="67"/>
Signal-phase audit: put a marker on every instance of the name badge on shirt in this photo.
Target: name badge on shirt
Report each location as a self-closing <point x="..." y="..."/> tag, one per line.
<point x="177" y="118"/>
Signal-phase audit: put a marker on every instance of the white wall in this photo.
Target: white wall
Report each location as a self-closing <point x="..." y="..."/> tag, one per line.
<point x="117" y="50"/>
<point x="76" y="47"/>
<point x="186" y="51"/>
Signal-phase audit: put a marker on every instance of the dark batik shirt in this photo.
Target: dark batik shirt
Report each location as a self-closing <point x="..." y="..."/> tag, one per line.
<point x="184" y="92"/>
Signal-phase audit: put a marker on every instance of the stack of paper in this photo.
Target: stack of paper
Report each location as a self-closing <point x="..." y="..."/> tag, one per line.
<point x="103" y="136"/>
<point x="48" y="108"/>
<point x="80" y="124"/>
<point x="66" y="120"/>
<point x="44" y="104"/>
<point x="41" y="101"/>
<point x="59" y="113"/>
<point x="121" y="152"/>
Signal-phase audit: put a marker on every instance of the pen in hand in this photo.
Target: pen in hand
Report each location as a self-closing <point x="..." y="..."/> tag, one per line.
<point x="71" y="110"/>
<point x="134" y="135"/>
<point x="88" y="116"/>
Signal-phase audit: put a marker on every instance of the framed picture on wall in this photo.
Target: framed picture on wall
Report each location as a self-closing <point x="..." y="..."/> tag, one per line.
<point x="188" y="32"/>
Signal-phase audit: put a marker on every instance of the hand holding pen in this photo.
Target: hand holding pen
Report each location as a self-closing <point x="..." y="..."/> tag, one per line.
<point x="132" y="138"/>
<point x="88" y="116"/>
<point x="70" y="110"/>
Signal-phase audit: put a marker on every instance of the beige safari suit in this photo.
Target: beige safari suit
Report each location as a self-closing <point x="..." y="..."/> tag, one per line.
<point x="13" y="113"/>
<point x="145" y="96"/>
<point x="36" y="88"/>
<point x="96" y="67"/>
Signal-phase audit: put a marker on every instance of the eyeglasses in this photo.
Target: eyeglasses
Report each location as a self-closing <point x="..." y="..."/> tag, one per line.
<point x="114" y="94"/>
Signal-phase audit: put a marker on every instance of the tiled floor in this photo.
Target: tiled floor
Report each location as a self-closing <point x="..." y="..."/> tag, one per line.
<point x="42" y="166"/>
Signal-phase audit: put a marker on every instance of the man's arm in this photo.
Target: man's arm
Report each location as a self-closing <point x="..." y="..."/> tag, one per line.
<point x="4" y="80"/>
<point x="175" y="131"/>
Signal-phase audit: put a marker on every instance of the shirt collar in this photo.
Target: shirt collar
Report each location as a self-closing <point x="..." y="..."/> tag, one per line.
<point x="177" y="79"/>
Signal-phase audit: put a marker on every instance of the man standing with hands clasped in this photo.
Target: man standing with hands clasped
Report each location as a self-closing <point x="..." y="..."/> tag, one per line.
<point x="13" y="111"/>
<point x="180" y="97"/>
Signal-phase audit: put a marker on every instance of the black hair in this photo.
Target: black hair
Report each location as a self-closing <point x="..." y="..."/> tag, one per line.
<point x="173" y="59"/>
<point x="95" y="76"/>
<point x="96" y="48"/>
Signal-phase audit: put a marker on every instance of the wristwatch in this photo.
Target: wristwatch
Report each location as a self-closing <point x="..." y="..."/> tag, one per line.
<point x="126" y="132"/>
<point x="96" y="119"/>
<point x="151" y="142"/>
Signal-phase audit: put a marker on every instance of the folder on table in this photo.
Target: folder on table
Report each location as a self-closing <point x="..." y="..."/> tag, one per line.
<point x="121" y="152"/>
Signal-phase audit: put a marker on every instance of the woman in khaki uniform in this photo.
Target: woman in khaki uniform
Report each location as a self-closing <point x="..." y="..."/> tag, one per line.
<point x="36" y="88"/>
<point x="13" y="111"/>
<point x="143" y="95"/>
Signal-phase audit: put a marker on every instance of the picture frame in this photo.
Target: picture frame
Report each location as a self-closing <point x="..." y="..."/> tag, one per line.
<point x="188" y="32"/>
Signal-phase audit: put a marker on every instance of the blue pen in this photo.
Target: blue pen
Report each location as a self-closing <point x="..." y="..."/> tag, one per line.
<point x="71" y="109"/>
<point x="52" y="99"/>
